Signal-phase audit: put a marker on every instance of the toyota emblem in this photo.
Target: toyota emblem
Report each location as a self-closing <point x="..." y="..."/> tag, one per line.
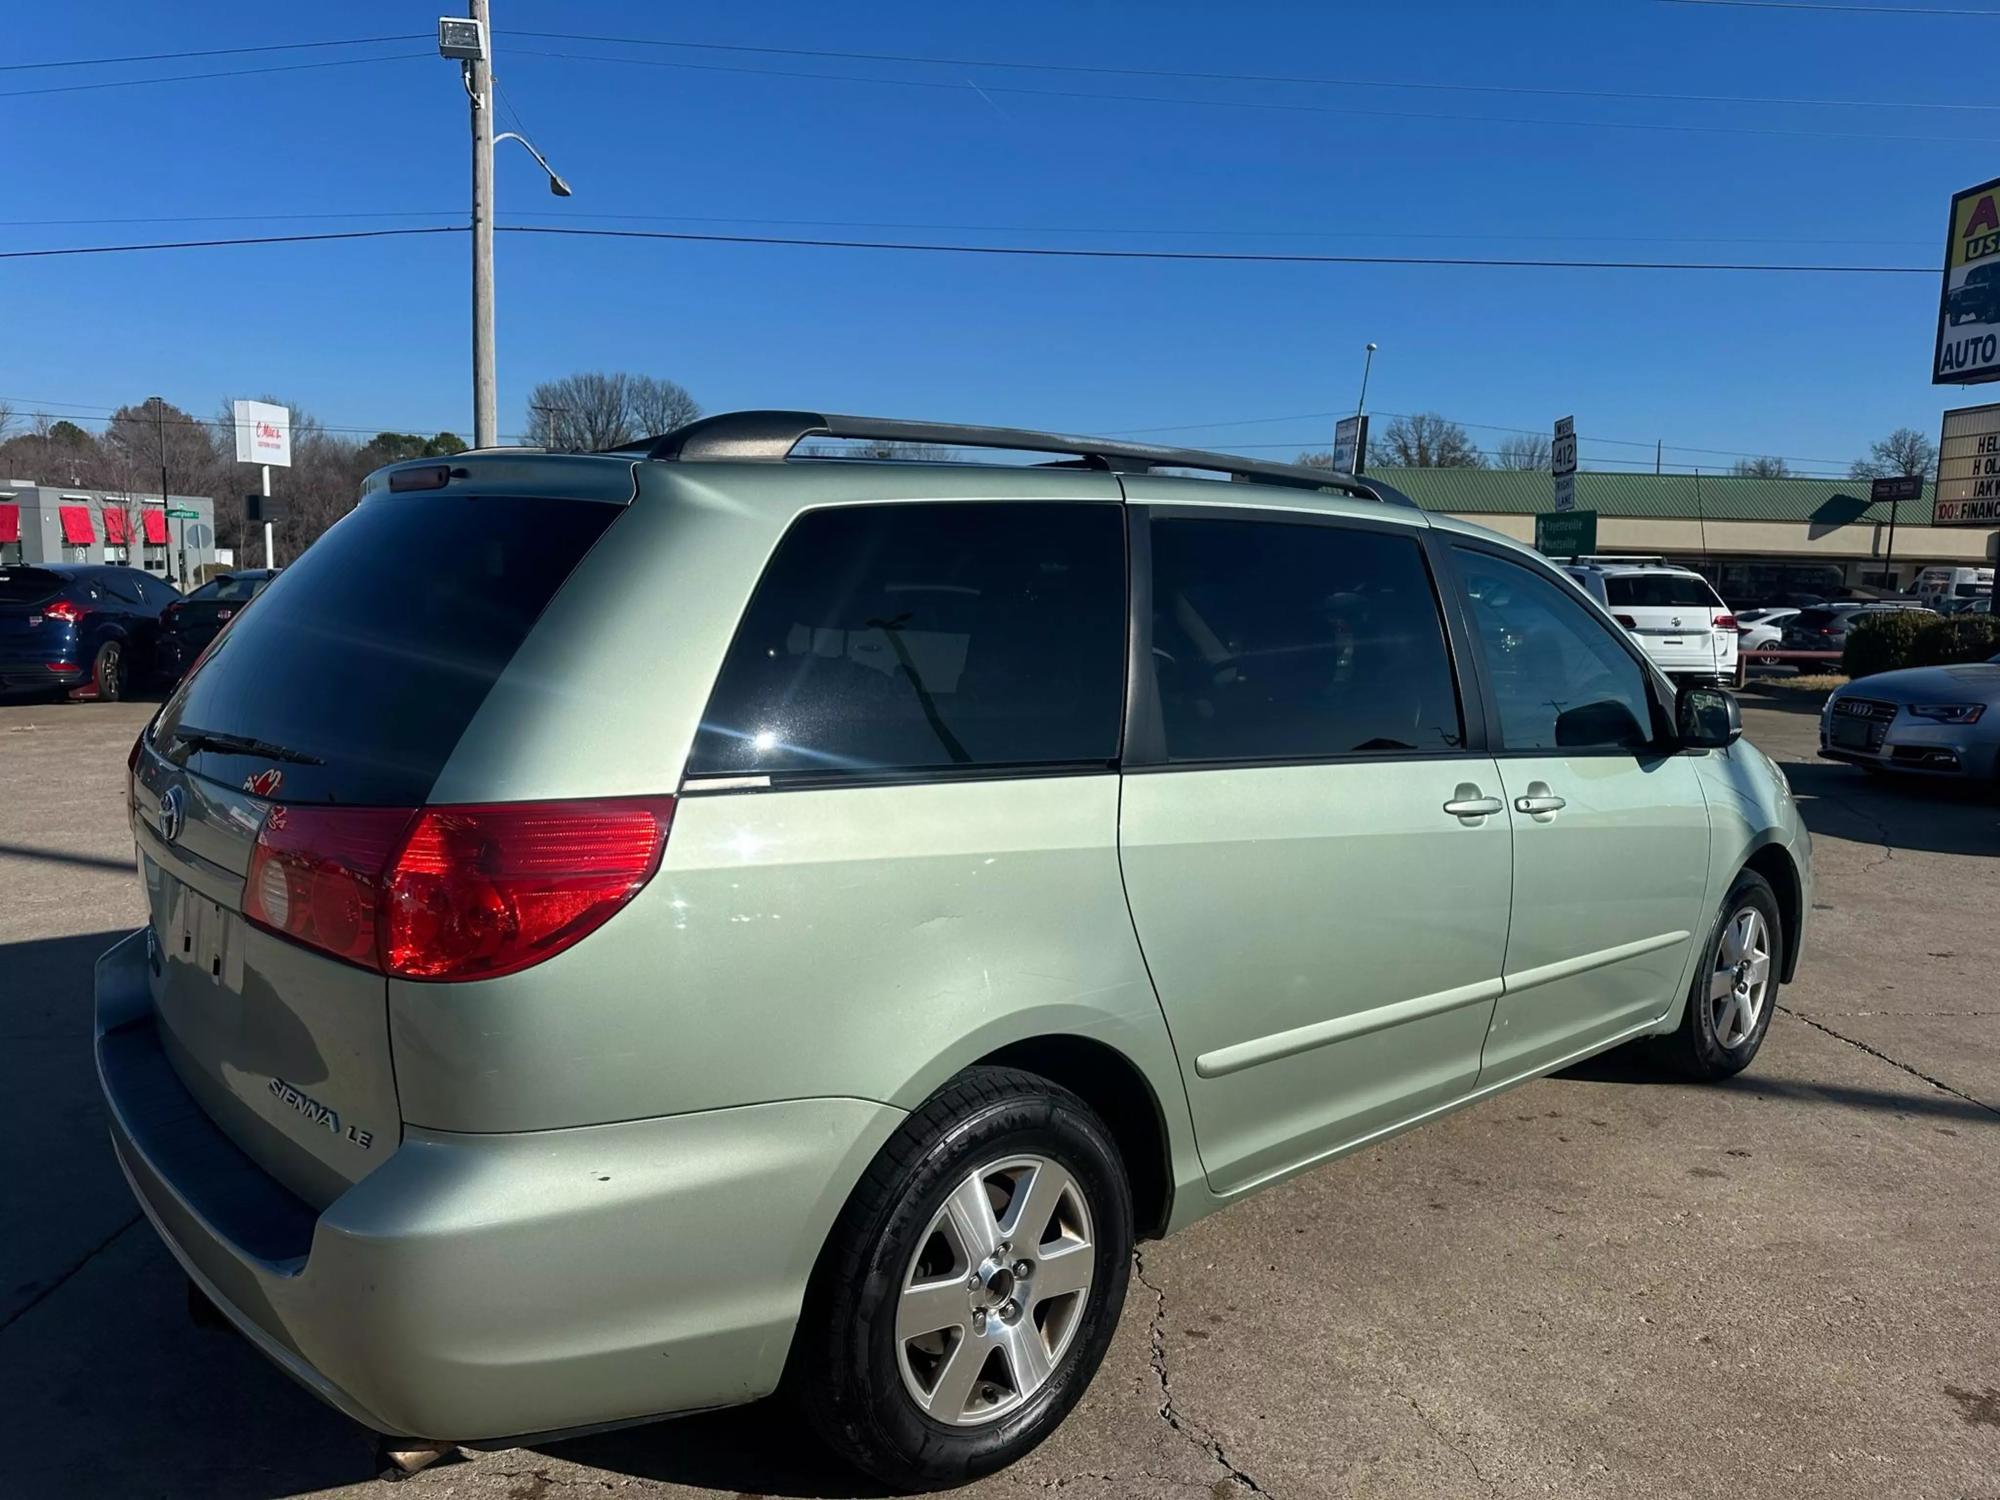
<point x="173" y="812"/>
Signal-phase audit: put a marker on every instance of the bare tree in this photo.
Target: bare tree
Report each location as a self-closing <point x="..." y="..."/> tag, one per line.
<point x="6" y="420"/>
<point x="1430" y="441"/>
<point x="1766" y="467"/>
<point x="657" y="405"/>
<point x="1320" y="460"/>
<point x="1904" y="451"/>
<point x="597" y="409"/>
<point x="1524" y="450"/>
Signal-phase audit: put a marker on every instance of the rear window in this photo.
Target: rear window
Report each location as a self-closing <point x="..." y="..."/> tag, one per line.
<point x="1818" y="619"/>
<point x="1660" y="591"/>
<point x="29" y="585"/>
<point x="888" y="638"/>
<point x="370" y="654"/>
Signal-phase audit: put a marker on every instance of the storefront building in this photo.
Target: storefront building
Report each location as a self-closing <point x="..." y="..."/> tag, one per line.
<point x="42" y="523"/>
<point x="1761" y="541"/>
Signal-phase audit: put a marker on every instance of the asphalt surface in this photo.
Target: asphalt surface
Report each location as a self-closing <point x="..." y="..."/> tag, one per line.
<point x="1599" y="1284"/>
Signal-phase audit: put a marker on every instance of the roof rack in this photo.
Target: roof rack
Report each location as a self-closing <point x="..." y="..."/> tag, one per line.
<point x="771" y="436"/>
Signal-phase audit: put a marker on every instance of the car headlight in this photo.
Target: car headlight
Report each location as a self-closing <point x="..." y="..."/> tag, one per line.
<point x="1948" y="713"/>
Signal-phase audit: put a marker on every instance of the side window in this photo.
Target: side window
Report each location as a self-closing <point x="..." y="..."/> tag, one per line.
<point x="906" y="637"/>
<point x="1560" y="679"/>
<point x="1276" y="640"/>
<point x="122" y="589"/>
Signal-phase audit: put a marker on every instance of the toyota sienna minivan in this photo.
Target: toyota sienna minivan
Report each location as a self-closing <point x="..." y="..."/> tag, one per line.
<point x="635" y="932"/>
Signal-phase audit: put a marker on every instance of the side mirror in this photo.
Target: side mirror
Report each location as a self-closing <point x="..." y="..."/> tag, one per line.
<point x="1707" y="717"/>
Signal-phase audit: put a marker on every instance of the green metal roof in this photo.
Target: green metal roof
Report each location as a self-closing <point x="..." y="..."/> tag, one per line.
<point x="1675" y="497"/>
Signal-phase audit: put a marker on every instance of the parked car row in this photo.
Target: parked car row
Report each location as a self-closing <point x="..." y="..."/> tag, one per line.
<point x="66" y="627"/>
<point x="1825" y="627"/>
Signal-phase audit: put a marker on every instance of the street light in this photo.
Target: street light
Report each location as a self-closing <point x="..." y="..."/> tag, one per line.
<point x="465" y="40"/>
<point x="1367" y="363"/>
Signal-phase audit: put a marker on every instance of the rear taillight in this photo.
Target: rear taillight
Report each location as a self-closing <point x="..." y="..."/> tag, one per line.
<point x="452" y="892"/>
<point x="62" y="610"/>
<point x="1627" y="621"/>
<point x="1726" y="622"/>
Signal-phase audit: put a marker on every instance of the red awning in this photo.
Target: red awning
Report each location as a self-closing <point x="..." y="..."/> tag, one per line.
<point x="10" y="523"/>
<point x="155" y="524"/>
<point x="116" y="532"/>
<point x="76" y="527"/>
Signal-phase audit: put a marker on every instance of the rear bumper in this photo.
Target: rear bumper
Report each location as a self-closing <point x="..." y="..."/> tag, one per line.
<point x="477" y="1287"/>
<point x="18" y="677"/>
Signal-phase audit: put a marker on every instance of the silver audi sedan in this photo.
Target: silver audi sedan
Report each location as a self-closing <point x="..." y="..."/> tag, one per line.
<point x="1932" y="721"/>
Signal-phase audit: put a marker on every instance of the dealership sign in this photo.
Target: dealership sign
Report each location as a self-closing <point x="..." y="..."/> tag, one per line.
<point x="263" y="434"/>
<point x="1968" y="329"/>
<point x="1968" y="482"/>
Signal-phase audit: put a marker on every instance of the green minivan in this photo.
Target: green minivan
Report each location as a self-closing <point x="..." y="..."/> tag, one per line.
<point x="634" y="932"/>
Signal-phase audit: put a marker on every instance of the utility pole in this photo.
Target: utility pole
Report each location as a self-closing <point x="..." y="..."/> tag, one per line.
<point x="479" y="84"/>
<point x="159" y="404"/>
<point x="1659" y="451"/>
<point x="1367" y="363"/>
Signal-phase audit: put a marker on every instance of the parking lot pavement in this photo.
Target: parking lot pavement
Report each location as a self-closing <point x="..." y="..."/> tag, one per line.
<point x="1597" y="1284"/>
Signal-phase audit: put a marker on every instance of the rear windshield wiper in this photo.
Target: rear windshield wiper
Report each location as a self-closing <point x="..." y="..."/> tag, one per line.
<point x="243" y="744"/>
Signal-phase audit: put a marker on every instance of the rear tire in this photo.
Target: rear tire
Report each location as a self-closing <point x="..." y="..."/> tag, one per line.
<point x="107" y="673"/>
<point x="927" y="1356"/>
<point x="1735" y="987"/>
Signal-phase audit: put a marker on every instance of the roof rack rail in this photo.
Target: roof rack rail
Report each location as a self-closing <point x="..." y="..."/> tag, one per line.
<point x="773" y="435"/>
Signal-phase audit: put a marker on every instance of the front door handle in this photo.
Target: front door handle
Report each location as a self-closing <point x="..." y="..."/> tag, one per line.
<point x="1538" y="801"/>
<point x="1467" y="801"/>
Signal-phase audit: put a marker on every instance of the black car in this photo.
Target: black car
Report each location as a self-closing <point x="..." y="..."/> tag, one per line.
<point x="73" y="625"/>
<point x="1977" y="297"/>
<point x="190" y="624"/>
<point x="1825" y="628"/>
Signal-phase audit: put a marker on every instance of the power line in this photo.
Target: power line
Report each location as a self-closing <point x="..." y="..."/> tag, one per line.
<point x="1315" y="80"/>
<point x="1242" y="257"/>
<point x="1178" y="231"/>
<point x="259" y="239"/>
<point x="1875" y="10"/>
<point x="133" y="83"/>
<point x="1054" y="252"/>
<point x="1099" y="97"/>
<point x="134" y="57"/>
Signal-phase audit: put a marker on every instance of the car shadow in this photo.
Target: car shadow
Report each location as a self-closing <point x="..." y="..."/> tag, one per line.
<point x="1896" y="812"/>
<point x="746" y="1450"/>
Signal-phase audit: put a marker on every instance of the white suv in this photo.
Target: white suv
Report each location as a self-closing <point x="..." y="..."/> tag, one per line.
<point x="1672" y="612"/>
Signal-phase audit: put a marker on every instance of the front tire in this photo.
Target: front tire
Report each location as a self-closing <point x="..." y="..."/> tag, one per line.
<point x="971" y="1286"/>
<point x="1735" y="987"/>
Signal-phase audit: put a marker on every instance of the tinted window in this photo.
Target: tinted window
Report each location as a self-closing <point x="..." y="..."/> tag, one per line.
<point x="29" y="585"/>
<point x="372" y="652"/>
<point x="156" y="592"/>
<point x="1560" y="679"/>
<point x="229" y="586"/>
<point x="1659" y="591"/>
<point x="900" y="637"/>
<point x="1273" y="640"/>
<point x="120" y="586"/>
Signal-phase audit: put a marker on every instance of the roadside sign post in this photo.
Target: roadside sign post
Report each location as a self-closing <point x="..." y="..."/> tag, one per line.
<point x="1562" y="462"/>
<point x="1968" y="319"/>
<point x="264" y="437"/>
<point x="1968" y="482"/>
<point x="1566" y="533"/>
<point x="1893" y="492"/>
<point x="1350" y="444"/>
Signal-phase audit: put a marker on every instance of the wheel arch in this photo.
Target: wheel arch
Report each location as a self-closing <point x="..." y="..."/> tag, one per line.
<point x="1773" y="861"/>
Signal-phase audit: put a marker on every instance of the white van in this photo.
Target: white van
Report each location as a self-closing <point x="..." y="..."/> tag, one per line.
<point x="1943" y="589"/>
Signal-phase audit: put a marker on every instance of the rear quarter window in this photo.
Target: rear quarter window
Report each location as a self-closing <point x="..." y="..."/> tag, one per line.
<point x="921" y="637"/>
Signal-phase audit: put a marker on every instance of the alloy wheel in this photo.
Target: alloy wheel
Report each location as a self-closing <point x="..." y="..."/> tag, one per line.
<point x="1740" y="985"/>
<point x="995" y="1291"/>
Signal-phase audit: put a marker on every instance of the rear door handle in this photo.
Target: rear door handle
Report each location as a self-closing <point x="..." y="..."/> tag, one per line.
<point x="1539" y="801"/>
<point x="1467" y="801"/>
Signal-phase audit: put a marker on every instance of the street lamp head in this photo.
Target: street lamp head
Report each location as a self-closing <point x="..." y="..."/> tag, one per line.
<point x="1371" y="348"/>
<point x="558" y="186"/>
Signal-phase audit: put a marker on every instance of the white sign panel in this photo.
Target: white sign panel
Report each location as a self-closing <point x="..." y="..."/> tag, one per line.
<point x="1968" y="483"/>
<point x="263" y="434"/>
<point x="1562" y="460"/>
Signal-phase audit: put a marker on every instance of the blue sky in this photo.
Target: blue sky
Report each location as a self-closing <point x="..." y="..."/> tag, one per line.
<point x="373" y="334"/>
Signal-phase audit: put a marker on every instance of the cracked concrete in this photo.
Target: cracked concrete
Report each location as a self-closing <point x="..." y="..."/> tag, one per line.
<point x="1601" y="1284"/>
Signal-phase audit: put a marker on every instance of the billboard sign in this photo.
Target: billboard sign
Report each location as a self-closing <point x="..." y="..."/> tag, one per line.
<point x="1350" y="444"/>
<point x="1968" y="482"/>
<point x="1562" y="462"/>
<point x="263" y="434"/>
<point x="1968" y="330"/>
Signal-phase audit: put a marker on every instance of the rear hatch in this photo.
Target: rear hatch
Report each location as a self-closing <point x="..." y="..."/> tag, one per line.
<point x="348" y="685"/>
<point x="1676" y="617"/>
<point x="26" y="630"/>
